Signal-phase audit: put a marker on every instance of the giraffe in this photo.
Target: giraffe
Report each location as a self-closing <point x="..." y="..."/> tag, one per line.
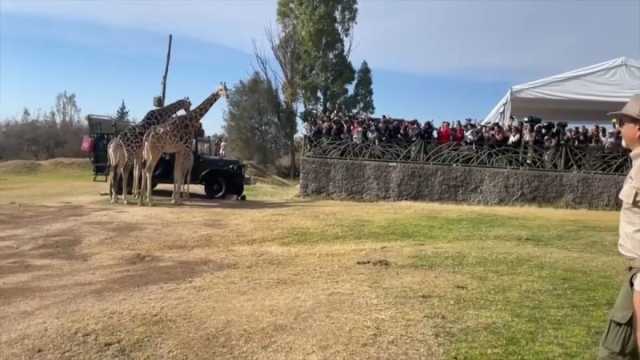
<point x="126" y="149"/>
<point x="175" y="136"/>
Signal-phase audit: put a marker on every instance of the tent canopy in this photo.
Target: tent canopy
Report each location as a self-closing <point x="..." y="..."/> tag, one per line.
<point x="585" y="94"/>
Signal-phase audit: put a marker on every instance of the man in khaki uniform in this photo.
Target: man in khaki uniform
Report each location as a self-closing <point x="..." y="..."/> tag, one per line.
<point x="621" y="338"/>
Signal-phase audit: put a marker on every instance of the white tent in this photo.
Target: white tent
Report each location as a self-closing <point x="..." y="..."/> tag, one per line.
<point x="581" y="95"/>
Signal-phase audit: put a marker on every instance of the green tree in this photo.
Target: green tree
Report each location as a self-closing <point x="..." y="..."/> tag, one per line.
<point x="251" y="121"/>
<point x="362" y="98"/>
<point x="321" y="28"/>
<point x="122" y="114"/>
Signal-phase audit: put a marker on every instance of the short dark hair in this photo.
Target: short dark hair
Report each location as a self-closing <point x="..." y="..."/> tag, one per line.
<point x="621" y="119"/>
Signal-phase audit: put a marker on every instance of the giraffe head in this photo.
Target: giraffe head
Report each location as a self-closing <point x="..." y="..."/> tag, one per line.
<point x="185" y="104"/>
<point x="223" y="91"/>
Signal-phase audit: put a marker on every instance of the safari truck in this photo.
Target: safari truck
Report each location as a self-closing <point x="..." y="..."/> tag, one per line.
<point x="220" y="177"/>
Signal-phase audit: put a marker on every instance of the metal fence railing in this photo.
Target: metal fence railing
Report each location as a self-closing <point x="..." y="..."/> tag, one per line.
<point x="563" y="158"/>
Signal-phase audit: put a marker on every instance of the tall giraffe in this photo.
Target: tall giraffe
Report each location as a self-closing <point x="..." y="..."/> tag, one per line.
<point x="126" y="149"/>
<point x="175" y="136"/>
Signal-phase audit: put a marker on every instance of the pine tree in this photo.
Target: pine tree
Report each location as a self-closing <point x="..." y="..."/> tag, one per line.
<point x="122" y="114"/>
<point x="362" y="97"/>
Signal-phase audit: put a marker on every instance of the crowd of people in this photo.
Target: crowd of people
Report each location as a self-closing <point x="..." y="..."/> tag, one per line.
<point x="515" y="132"/>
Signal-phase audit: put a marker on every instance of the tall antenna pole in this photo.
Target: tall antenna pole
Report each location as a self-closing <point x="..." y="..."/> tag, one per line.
<point x="166" y="70"/>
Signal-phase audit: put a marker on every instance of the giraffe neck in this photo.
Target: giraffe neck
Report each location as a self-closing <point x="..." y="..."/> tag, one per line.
<point x="198" y="113"/>
<point x="169" y="110"/>
<point x="158" y="116"/>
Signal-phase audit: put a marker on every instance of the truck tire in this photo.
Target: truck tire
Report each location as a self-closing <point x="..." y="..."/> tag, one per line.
<point x="215" y="187"/>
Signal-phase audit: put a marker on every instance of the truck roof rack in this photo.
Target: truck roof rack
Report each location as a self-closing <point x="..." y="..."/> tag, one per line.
<point x="105" y="125"/>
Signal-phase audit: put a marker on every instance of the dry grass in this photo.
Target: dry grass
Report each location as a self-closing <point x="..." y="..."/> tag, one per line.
<point x="282" y="277"/>
<point x="81" y="278"/>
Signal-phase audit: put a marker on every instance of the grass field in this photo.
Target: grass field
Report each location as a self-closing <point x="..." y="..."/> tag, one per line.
<point x="278" y="276"/>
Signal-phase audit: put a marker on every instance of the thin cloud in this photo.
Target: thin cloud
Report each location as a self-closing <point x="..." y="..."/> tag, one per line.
<point x="229" y="23"/>
<point x="518" y="38"/>
<point x="494" y="40"/>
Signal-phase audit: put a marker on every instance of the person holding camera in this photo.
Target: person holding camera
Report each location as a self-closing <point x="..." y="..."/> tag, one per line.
<point x="621" y="335"/>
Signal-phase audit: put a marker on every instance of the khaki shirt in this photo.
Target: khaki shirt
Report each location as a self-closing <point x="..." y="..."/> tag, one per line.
<point x="629" y="240"/>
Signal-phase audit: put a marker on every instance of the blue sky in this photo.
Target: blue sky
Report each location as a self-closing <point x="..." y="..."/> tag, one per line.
<point x="441" y="60"/>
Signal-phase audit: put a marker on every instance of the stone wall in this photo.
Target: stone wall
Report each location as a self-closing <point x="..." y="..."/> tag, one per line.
<point x="367" y="180"/>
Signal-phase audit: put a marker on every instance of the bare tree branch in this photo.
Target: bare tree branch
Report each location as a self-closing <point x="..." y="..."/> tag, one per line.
<point x="264" y="66"/>
<point x="284" y="49"/>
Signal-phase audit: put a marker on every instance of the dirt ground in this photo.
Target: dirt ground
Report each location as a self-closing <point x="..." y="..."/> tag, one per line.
<point x="83" y="279"/>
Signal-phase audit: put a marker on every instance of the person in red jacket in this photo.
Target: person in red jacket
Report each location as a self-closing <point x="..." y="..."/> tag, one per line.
<point x="444" y="133"/>
<point x="458" y="134"/>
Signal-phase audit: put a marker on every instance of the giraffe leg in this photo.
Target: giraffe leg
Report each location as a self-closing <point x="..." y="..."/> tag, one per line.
<point x="188" y="181"/>
<point x="113" y="176"/>
<point x="147" y="184"/>
<point x="123" y="165"/>
<point x="186" y="170"/>
<point x="191" y="162"/>
<point x="140" y="172"/>
<point x="110" y="182"/>
<point x="146" y="156"/>
<point x="143" y="182"/>
<point x="125" y="179"/>
<point x="151" y="161"/>
<point x="185" y="181"/>
<point x="173" y="193"/>
<point x="142" y="185"/>
<point x="177" y="177"/>
<point x="123" y="174"/>
<point x="183" y="168"/>
<point x="117" y="176"/>
<point x="136" y="177"/>
<point x="188" y="173"/>
<point x="117" y="171"/>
